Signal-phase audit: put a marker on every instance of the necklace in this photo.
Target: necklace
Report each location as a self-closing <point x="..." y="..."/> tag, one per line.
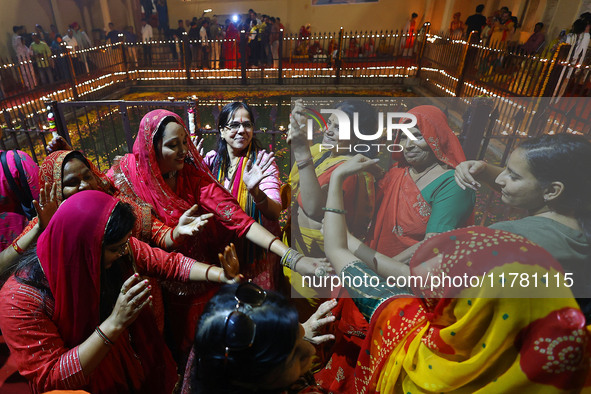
<point x="169" y="175"/>
<point x="425" y="172"/>
<point x="233" y="168"/>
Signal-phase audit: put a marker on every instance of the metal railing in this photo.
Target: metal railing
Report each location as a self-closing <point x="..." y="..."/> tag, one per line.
<point x="88" y="74"/>
<point x="105" y="129"/>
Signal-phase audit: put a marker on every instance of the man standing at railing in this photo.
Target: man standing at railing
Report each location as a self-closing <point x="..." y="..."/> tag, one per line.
<point x="113" y="35"/>
<point x="73" y="47"/>
<point x="216" y="35"/>
<point x="83" y="42"/>
<point x="204" y="40"/>
<point x="475" y="22"/>
<point x="42" y="54"/>
<point x="147" y="36"/>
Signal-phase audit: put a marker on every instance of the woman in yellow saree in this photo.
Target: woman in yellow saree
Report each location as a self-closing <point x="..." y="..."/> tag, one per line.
<point x="480" y="335"/>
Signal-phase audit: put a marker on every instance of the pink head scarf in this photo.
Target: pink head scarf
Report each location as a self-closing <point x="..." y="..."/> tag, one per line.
<point x="70" y="251"/>
<point x="142" y="171"/>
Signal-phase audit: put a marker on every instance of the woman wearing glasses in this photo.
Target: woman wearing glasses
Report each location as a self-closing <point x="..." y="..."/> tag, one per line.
<point x="74" y="313"/>
<point x="251" y="175"/>
<point x="166" y="171"/>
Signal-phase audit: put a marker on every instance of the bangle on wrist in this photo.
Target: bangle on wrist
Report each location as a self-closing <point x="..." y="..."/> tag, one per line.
<point x="220" y="275"/>
<point x="17" y="248"/>
<point x="296" y="261"/>
<point x="271" y="243"/>
<point x="334" y="210"/>
<point x="174" y="241"/>
<point x="305" y="163"/>
<point x="103" y="336"/>
<point x="207" y="272"/>
<point x="290" y="258"/>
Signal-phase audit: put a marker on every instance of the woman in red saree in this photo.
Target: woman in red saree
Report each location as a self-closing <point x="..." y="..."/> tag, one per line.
<point x="68" y="172"/>
<point x="166" y="171"/>
<point x="418" y="196"/>
<point x="485" y="337"/>
<point x="65" y="172"/>
<point x="74" y="313"/>
<point x="231" y="46"/>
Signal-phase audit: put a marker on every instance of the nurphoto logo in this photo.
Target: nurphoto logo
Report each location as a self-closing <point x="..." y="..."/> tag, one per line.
<point x="350" y="127"/>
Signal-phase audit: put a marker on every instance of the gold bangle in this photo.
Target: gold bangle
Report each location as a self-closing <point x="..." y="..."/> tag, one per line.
<point x="17" y="248"/>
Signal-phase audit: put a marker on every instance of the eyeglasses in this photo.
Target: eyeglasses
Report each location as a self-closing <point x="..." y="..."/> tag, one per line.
<point x="235" y="126"/>
<point x="122" y="249"/>
<point x="239" y="328"/>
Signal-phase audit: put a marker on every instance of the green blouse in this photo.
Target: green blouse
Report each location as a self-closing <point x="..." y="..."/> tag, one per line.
<point x="451" y="206"/>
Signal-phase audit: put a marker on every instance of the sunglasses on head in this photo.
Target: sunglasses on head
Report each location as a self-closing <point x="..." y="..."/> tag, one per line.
<point x="239" y="328"/>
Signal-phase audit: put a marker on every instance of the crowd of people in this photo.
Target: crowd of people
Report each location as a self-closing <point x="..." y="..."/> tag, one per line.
<point x="113" y="284"/>
<point x="37" y="53"/>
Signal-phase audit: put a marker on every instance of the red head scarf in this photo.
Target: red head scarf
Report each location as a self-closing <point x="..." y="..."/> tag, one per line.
<point x="70" y="251"/>
<point x="52" y="171"/>
<point x="432" y="123"/>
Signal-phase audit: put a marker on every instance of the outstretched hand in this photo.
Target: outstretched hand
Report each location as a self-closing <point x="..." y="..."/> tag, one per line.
<point x="319" y="319"/>
<point x="133" y="297"/>
<point x="58" y="143"/>
<point x="297" y="121"/>
<point x="466" y="171"/>
<point x="257" y="171"/>
<point x="230" y="263"/>
<point x="190" y="223"/>
<point x="47" y="204"/>
<point x="308" y="266"/>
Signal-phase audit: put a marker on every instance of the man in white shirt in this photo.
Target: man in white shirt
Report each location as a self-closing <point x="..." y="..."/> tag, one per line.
<point x="204" y="44"/>
<point x="71" y="46"/>
<point x="147" y="35"/>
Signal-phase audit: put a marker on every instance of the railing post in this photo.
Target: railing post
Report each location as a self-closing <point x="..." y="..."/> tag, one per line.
<point x="426" y="31"/>
<point x="337" y="62"/>
<point x="126" y="126"/>
<point x="72" y="74"/>
<point x="280" y="51"/>
<point x="551" y="80"/>
<point x="188" y="55"/>
<point x="243" y="59"/>
<point x="60" y="123"/>
<point x="124" y="58"/>
<point x="462" y="67"/>
<point x="474" y="126"/>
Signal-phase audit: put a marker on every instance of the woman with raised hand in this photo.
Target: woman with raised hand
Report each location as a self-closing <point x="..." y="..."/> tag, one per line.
<point x="417" y="199"/>
<point x="467" y="338"/>
<point x="166" y="171"/>
<point x="74" y="312"/>
<point x="63" y="174"/>
<point x="549" y="177"/>
<point x="250" y="174"/>
<point x="309" y="179"/>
